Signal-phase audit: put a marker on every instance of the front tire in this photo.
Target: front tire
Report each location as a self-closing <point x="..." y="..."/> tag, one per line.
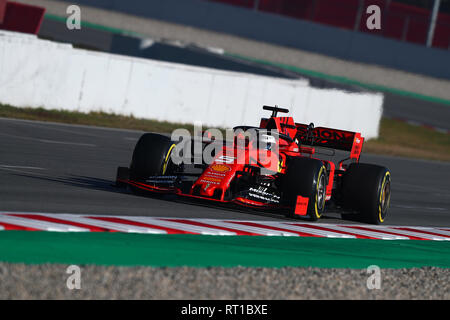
<point x="367" y="191"/>
<point x="151" y="156"/>
<point x="307" y="178"/>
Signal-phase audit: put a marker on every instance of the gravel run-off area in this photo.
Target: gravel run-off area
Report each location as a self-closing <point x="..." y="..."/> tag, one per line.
<point x="49" y="281"/>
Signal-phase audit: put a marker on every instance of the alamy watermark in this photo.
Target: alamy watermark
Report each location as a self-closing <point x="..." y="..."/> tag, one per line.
<point x="374" y="280"/>
<point x="237" y="146"/>
<point x="74" y="280"/>
<point x="374" y="20"/>
<point x="73" y="21"/>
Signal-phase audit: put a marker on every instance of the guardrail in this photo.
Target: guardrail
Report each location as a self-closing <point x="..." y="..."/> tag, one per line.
<point x="41" y="73"/>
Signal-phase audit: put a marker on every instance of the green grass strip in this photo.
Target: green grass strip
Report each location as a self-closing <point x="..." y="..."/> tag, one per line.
<point x="122" y="249"/>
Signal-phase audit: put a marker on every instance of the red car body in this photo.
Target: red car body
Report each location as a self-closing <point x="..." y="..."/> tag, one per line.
<point x="237" y="161"/>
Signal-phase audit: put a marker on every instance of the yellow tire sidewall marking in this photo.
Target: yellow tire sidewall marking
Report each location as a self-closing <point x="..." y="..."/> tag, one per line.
<point x="166" y="160"/>
<point x="387" y="174"/>
<point x="316" y="208"/>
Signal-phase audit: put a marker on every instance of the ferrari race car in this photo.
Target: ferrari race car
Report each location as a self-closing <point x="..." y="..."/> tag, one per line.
<point x="280" y="166"/>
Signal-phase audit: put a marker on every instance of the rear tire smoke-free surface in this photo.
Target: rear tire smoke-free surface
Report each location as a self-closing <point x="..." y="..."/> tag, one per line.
<point x="367" y="191"/>
<point x="307" y="178"/>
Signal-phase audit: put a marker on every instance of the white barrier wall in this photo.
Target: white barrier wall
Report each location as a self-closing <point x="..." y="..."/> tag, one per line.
<point x="40" y="73"/>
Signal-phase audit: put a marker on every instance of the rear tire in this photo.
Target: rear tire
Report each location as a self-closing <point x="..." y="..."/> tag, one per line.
<point x="367" y="190"/>
<point x="307" y="178"/>
<point x="151" y="156"/>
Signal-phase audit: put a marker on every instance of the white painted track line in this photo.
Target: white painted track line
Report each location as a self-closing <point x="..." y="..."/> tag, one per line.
<point x="162" y="225"/>
<point x="416" y="233"/>
<point x="182" y="226"/>
<point x="110" y="225"/>
<point x="372" y="234"/>
<point x="40" y="225"/>
<point x="317" y="232"/>
<point x="256" y="230"/>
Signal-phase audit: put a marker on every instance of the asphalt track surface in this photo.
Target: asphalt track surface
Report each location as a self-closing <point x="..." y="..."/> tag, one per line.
<point x="59" y="168"/>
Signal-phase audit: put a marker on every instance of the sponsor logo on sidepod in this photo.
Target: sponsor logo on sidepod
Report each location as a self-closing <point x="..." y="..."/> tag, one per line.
<point x="220" y="168"/>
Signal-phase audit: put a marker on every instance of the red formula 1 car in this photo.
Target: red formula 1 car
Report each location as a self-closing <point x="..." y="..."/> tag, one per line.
<point x="281" y="166"/>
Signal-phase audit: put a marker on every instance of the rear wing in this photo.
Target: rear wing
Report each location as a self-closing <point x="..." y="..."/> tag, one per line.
<point x="330" y="138"/>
